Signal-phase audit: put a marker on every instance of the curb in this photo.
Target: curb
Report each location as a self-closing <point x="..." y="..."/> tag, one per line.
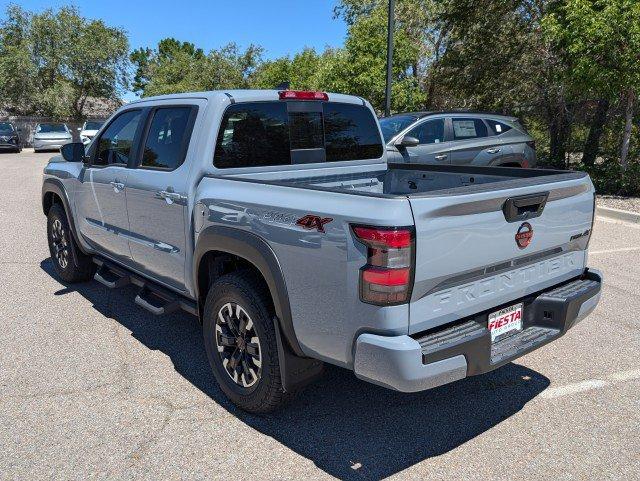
<point x="618" y="214"/>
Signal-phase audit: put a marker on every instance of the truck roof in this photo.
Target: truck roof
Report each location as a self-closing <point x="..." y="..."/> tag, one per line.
<point x="248" y="95"/>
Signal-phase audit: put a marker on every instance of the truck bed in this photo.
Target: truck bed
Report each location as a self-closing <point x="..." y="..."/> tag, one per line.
<point x="430" y="180"/>
<point x="466" y="219"/>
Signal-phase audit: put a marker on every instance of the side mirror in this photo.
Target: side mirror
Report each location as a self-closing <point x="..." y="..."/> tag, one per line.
<point x="408" y="141"/>
<point x="73" y="152"/>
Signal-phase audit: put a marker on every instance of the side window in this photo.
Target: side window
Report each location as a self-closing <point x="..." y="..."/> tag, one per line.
<point x="464" y="129"/>
<point x="114" y="146"/>
<point x="429" y="132"/>
<point x="253" y="134"/>
<point x="168" y="138"/>
<point x="498" y="127"/>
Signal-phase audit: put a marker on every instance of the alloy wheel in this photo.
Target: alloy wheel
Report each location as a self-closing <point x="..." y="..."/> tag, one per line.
<point x="60" y="244"/>
<point x="238" y="345"/>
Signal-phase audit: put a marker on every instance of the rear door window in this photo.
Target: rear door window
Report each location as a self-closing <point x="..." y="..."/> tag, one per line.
<point x="283" y="133"/>
<point x="467" y="128"/>
<point x="166" y="143"/>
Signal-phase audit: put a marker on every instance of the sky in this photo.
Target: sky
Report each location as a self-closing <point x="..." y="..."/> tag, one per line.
<point x="281" y="27"/>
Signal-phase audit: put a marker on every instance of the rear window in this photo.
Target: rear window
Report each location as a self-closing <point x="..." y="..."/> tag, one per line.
<point x="282" y="133"/>
<point x="50" y="128"/>
<point x="498" y="127"/>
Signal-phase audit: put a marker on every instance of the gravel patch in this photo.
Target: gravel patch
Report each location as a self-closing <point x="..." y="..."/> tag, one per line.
<point x="616" y="202"/>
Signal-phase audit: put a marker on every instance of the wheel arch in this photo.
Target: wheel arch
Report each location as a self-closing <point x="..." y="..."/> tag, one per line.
<point x="217" y="245"/>
<point x="53" y="192"/>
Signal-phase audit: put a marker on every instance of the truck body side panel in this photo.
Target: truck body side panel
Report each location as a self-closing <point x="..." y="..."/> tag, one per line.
<point x="321" y="269"/>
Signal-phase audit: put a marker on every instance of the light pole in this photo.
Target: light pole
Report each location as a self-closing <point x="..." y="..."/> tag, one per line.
<point x="387" y="100"/>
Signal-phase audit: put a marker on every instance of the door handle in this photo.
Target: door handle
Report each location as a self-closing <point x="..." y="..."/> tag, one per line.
<point x="495" y="150"/>
<point x="117" y="186"/>
<point x="170" y="197"/>
<point x="441" y="157"/>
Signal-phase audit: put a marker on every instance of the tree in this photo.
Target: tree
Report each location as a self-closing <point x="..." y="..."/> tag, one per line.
<point x="363" y="61"/>
<point x="176" y="66"/>
<point x="51" y="62"/>
<point x="601" y="41"/>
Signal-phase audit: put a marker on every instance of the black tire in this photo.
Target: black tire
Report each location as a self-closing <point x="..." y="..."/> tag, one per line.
<point x="70" y="263"/>
<point x="244" y="289"/>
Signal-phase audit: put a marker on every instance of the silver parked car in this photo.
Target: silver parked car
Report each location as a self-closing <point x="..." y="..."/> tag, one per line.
<point x="458" y="138"/>
<point x="50" y="136"/>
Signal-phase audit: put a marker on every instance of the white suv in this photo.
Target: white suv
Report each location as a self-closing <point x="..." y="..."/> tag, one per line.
<point x="89" y="130"/>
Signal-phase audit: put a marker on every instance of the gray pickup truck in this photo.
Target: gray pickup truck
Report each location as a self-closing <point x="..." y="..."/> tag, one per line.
<point x="275" y="218"/>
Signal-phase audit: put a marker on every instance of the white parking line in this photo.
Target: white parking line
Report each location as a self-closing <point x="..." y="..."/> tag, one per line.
<point x="590" y="384"/>
<point x="608" y="220"/>
<point x="608" y="251"/>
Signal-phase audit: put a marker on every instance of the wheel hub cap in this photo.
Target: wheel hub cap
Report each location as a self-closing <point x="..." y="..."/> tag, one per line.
<point x="238" y="345"/>
<point x="59" y="244"/>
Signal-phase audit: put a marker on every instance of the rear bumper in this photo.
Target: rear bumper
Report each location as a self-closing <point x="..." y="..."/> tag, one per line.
<point x="464" y="348"/>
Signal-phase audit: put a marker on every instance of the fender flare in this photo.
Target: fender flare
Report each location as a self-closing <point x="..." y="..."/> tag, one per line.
<point x="54" y="186"/>
<point x="255" y="250"/>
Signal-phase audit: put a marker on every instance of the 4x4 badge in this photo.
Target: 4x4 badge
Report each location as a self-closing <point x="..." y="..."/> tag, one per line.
<point x="524" y="235"/>
<point x="311" y="222"/>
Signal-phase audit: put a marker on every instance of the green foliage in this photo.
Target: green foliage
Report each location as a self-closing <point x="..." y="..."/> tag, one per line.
<point x="365" y="63"/>
<point x="51" y="62"/>
<point x="600" y="40"/>
<point x="609" y="177"/>
<point x="550" y="62"/>
<point x="175" y="66"/>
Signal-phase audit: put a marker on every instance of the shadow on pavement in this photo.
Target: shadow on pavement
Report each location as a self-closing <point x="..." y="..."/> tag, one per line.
<point x="349" y="428"/>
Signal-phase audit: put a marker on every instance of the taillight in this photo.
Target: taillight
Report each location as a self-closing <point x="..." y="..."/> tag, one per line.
<point x="387" y="278"/>
<point x="302" y="95"/>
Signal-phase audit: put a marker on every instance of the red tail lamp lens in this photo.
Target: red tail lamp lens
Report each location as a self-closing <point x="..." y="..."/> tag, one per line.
<point x="388" y="238"/>
<point x="387" y="278"/>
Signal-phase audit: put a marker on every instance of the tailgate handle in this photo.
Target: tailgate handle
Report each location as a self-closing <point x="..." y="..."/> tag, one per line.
<point x="524" y="207"/>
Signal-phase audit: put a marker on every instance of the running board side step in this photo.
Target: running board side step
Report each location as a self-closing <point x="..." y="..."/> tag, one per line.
<point x="155" y="303"/>
<point x="151" y="296"/>
<point x="110" y="278"/>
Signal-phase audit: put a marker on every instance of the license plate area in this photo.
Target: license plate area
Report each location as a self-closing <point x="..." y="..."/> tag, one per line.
<point x="505" y="322"/>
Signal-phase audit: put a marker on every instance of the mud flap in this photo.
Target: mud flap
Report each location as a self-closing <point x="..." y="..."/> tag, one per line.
<point x="295" y="371"/>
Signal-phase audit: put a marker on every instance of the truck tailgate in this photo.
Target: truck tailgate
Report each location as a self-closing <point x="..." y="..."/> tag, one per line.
<point x="468" y="259"/>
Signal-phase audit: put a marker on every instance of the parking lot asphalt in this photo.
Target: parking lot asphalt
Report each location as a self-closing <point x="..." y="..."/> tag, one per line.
<point x="94" y="387"/>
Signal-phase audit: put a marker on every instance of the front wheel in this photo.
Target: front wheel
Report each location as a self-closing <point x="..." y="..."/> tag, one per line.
<point x="240" y="341"/>
<point x="70" y="263"/>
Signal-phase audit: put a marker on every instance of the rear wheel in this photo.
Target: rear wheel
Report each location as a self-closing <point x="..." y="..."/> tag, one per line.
<point x="70" y="263"/>
<point x="239" y="338"/>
